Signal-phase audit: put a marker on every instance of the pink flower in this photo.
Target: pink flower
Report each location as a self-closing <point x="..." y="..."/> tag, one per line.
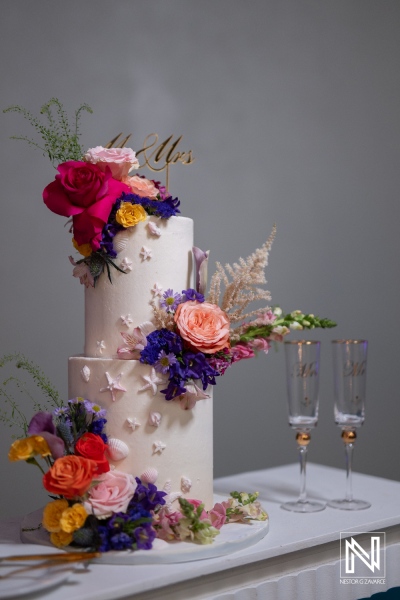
<point x="112" y="494"/>
<point x="241" y="352"/>
<point x="196" y="504"/>
<point x="259" y="344"/>
<point x="142" y="187"/>
<point x="135" y="342"/>
<point x="83" y="272"/>
<point x="204" y="326"/>
<point x="165" y="523"/>
<point x="119" y="160"/>
<point x="85" y="193"/>
<point x="267" y="317"/>
<point x="218" y="514"/>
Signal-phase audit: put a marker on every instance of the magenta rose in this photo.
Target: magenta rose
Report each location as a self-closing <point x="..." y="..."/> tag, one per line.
<point x="85" y="193"/>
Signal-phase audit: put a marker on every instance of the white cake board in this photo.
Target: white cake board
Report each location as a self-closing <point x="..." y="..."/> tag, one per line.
<point x="232" y="538"/>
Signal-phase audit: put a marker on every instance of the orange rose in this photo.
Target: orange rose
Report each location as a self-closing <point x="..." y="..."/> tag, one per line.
<point x="203" y="325"/>
<point x="70" y="476"/>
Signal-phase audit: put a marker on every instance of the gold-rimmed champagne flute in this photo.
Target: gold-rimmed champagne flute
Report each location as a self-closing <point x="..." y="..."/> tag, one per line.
<point x="349" y="379"/>
<point x="302" y="377"/>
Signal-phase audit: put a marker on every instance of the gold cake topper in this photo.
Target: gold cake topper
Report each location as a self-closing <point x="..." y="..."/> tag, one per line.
<point x="157" y="157"/>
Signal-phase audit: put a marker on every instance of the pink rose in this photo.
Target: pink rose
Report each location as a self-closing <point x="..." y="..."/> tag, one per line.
<point x="218" y="514"/>
<point x="83" y="191"/>
<point x="119" y="160"/>
<point x="241" y="352"/>
<point x="112" y="494"/>
<point x="142" y="187"/>
<point x="204" y="326"/>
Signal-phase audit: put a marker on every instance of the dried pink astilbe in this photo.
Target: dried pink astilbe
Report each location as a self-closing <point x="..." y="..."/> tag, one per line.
<point x="246" y="277"/>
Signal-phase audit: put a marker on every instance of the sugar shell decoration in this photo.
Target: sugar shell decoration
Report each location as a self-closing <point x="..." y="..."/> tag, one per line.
<point x="117" y="449"/>
<point x="153" y="229"/>
<point x="149" y="476"/>
<point x="154" y="419"/>
<point x="120" y="241"/>
<point x="186" y="484"/>
<point x="85" y="373"/>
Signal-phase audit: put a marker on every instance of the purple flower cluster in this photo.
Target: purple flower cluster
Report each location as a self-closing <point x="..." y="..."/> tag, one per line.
<point x="183" y="364"/>
<point x="191" y="294"/>
<point x="165" y="209"/>
<point x="132" y="529"/>
<point x="79" y="417"/>
<point x="147" y="497"/>
<point x="129" y="530"/>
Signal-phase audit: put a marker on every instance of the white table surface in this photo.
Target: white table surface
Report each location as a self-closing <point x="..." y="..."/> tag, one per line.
<point x="299" y="558"/>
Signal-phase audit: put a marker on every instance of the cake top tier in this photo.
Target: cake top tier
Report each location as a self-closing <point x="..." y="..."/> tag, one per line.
<point x="155" y="256"/>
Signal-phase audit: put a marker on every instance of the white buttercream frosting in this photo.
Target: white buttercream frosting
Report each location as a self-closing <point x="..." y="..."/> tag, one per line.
<point x="130" y="292"/>
<point x="186" y="434"/>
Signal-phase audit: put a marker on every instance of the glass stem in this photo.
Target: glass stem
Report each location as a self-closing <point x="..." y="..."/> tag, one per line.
<point x="349" y="471"/>
<point x="302" y="450"/>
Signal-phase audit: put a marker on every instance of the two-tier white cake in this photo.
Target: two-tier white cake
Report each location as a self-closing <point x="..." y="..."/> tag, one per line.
<point x="149" y="436"/>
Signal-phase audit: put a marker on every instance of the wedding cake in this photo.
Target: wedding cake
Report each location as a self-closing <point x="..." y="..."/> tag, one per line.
<point x="147" y="436"/>
<point x="129" y="456"/>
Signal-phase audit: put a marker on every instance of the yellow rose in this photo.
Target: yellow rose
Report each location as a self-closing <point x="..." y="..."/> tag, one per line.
<point x="28" y="447"/>
<point x="52" y="514"/>
<point x="84" y="249"/>
<point x="60" y="538"/>
<point x="73" y="518"/>
<point x="129" y="214"/>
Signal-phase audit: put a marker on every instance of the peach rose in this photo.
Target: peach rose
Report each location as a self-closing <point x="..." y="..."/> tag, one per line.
<point x="70" y="476"/>
<point x="203" y="325"/>
<point x="142" y="187"/>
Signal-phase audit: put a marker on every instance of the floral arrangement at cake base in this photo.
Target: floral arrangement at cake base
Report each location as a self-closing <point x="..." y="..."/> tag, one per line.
<point x="100" y="508"/>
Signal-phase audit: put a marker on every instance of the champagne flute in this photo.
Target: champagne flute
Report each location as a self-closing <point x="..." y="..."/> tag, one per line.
<point x="302" y="376"/>
<point x="350" y="374"/>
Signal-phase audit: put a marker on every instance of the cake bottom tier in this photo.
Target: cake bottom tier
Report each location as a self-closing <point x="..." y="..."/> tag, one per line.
<point x="148" y="434"/>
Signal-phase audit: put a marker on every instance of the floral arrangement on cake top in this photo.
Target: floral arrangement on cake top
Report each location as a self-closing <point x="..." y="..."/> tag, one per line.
<point x="96" y="188"/>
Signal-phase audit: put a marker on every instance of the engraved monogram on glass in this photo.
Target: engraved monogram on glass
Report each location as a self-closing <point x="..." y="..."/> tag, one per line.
<point x="302" y="370"/>
<point x="349" y="378"/>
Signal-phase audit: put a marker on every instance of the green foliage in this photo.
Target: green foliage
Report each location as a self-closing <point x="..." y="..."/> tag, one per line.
<point x="10" y="412"/>
<point x="60" y="141"/>
<point x="295" y="320"/>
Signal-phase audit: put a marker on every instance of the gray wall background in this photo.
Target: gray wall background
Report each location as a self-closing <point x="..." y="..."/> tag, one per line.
<point x="291" y="108"/>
